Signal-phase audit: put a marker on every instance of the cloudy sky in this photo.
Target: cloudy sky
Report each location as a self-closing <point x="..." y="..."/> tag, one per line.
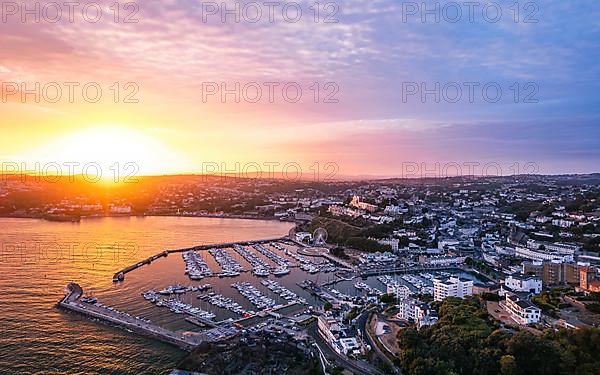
<point x="367" y="85"/>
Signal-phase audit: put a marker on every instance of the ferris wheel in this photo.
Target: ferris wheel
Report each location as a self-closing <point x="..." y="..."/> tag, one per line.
<point x="320" y="236"/>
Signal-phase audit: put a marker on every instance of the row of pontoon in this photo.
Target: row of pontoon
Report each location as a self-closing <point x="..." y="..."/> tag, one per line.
<point x="223" y="302"/>
<point x="230" y="266"/>
<point x="195" y="266"/>
<point x="282" y="291"/>
<point x="251" y="293"/>
<point x="177" y="306"/>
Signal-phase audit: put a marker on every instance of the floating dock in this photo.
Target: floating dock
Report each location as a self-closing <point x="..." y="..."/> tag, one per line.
<point x="201" y="322"/>
<point x="120" y="275"/>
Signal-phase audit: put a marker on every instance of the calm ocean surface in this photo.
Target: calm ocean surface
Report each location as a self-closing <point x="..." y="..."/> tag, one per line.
<point x="38" y="258"/>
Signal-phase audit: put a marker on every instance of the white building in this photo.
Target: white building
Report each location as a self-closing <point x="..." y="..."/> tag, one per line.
<point x="349" y="345"/>
<point x="523" y="283"/>
<point x="395" y="210"/>
<point x="451" y="287"/>
<point x="393" y="242"/>
<point x="441" y="260"/>
<point x="330" y="329"/>
<point x="542" y="219"/>
<point x="491" y="259"/>
<point x="92" y="207"/>
<point x="427" y="320"/>
<point x="409" y="309"/>
<point x="416" y="311"/>
<point x="521" y="311"/>
<point x="378" y="257"/>
<point x="532" y="254"/>
<point x="449" y="243"/>
<point x="303" y="236"/>
<point x="120" y="209"/>
<point x="563" y="248"/>
<point x="563" y="223"/>
<point x="336" y="210"/>
<point x="505" y="250"/>
<point x="401" y="291"/>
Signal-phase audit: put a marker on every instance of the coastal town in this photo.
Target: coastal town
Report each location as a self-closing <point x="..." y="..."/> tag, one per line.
<point x="302" y="187"/>
<point x="369" y="262"/>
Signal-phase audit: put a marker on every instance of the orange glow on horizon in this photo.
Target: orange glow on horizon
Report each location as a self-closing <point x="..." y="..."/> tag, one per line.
<point x="115" y="149"/>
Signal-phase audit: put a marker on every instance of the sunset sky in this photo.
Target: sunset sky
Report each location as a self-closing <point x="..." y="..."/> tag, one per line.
<point x="370" y="54"/>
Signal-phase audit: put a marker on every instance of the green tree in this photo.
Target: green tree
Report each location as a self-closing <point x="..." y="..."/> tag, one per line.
<point x="388" y="298"/>
<point x="466" y="341"/>
<point x="508" y="365"/>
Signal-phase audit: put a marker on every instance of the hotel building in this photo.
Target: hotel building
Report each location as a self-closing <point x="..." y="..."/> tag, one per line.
<point x="451" y="287"/>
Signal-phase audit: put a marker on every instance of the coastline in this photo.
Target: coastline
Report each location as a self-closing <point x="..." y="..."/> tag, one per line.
<point x="213" y="216"/>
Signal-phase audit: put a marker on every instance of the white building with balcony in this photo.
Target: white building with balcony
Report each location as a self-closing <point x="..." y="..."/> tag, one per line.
<point x="521" y="310"/>
<point x="416" y="311"/>
<point x="401" y="291"/>
<point x="451" y="287"/>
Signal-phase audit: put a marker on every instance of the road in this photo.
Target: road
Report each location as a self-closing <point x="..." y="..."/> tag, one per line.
<point x="359" y="367"/>
<point x="362" y="326"/>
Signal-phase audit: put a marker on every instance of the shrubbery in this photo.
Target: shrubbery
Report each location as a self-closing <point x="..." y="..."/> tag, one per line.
<point x="467" y="341"/>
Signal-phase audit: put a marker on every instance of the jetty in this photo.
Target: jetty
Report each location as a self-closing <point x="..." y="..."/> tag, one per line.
<point x="201" y="322"/>
<point x="324" y="253"/>
<point x="120" y="275"/>
<point x="72" y="302"/>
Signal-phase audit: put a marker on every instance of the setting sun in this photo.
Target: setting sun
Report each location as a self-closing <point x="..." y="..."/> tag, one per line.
<point x="113" y="148"/>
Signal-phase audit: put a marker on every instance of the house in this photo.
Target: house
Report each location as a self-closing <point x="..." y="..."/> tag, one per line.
<point x="521" y="310"/>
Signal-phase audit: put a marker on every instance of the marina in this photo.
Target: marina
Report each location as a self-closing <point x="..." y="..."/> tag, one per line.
<point x="71" y="302"/>
<point x="120" y="275"/>
<point x="269" y="278"/>
<point x="281" y="262"/>
<point x="180" y="289"/>
<point x="252" y="298"/>
<point x="366" y="288"/>
<point x="43" y="276"/>
<point x="260" y="292"/>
